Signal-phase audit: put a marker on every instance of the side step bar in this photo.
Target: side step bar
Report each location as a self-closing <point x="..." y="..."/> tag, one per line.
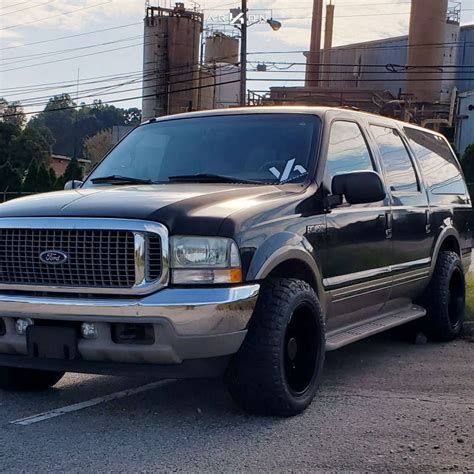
<point x="354" y="333"/>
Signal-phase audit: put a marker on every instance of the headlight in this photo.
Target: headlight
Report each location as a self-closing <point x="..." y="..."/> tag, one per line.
<point x="204" y="260"/>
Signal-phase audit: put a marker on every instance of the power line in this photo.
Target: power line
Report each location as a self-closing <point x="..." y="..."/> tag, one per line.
<point x="62" y="51"/>
<point x="126" y="99"/>
<point x="28" y="8"/>
<point x="60" y="38"/>
<point x="55" y="16"/>
<point x="27" y="102"/>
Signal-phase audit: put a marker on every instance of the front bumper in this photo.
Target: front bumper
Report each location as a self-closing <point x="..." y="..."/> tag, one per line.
<point x="191" y="323"/>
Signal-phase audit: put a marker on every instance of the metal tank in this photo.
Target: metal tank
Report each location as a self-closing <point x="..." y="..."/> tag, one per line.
<point x="170" y="60"/>
<point x="222" y="48"/>
<point x="425" y="49"/>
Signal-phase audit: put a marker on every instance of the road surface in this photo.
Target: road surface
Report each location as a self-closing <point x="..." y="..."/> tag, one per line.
<point x="385" y="404"/>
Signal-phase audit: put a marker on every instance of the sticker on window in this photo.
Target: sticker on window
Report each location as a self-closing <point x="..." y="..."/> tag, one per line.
<point x="289" y="168"/>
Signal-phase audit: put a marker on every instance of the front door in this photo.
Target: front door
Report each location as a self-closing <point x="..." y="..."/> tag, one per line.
<point x="356" y="268"/>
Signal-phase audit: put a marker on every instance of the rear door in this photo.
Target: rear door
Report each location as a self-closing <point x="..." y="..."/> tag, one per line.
<point x="410" y="221"/>
<point x="355" y="270"/>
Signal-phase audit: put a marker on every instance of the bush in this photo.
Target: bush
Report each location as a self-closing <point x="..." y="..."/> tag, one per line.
<point x="467" y="163"/>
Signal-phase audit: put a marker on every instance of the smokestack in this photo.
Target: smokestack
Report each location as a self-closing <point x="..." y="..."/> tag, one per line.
<point x="427" y="34"/>
<point x="328" y="34"/>
<point x="329" y="26"/>
<point x="314" y="57"/>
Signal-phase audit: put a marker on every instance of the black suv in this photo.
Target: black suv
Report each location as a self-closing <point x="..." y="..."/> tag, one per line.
<point x="242" y="243"/>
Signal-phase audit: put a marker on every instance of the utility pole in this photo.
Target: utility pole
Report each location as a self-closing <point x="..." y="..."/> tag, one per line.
<point x="243" y="56"/>
<point x="314" y="57"/>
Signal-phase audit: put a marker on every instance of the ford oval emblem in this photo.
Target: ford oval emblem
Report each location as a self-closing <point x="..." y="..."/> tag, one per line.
<point x="53" y="257"/>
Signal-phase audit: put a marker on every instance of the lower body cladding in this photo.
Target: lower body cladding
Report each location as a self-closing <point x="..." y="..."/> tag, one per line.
<point x="172" y="333"/>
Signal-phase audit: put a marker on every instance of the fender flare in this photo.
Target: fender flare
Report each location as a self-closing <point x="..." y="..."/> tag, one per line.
<point x="280" y="248"/>
<point x="448" y="231"/>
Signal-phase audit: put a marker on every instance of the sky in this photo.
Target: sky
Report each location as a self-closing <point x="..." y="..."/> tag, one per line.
<point x="34" y="53"/>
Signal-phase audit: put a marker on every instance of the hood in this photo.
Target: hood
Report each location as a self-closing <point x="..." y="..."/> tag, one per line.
<point x="184" y="208"/>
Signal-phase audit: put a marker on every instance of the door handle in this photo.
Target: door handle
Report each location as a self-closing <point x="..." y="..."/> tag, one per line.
<point x="428" y="221"/>
<point x="388" y="224"/>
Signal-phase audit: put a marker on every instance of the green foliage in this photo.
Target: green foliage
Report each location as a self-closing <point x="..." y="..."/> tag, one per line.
<point x="39" y="178"/>
<point x="30" y="145"/>
<point x="31" y="177"/>
<point x="73" y="171"/>
<point x="71" y="126"/>
<point x="12" y="113"/>
<point x="10" y="179"/>
<point x="467" y="163"/>
<point x="470" y="297"/>
<point x="8" y="132"/>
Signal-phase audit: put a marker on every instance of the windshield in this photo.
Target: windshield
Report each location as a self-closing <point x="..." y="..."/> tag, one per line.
<point x="252" y="148"/>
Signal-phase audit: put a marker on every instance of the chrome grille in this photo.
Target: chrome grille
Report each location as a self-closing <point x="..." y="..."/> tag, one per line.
<point x="154" y="269"/>
<point x="96" y="258"/>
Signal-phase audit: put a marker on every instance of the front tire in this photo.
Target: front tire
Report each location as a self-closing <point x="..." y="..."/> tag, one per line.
<point x="15" y="378"/>
<point x="445" y="298"/>
<point x="278" y="369"/>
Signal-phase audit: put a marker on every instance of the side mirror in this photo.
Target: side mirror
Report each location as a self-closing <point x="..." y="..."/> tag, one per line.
<point x="75" y="183"/>
<point x="359" y="187"/>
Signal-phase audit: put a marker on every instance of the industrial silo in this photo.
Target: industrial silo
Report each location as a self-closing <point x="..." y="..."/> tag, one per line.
<point x="170" y="60"/>
<point x="425" y="49"/>
<point x="222" y="58"/>
<point x="222" y="48"/>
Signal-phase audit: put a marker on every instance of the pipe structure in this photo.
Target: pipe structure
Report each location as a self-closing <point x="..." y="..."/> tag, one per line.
<point x="328" y="35"/>
<point x="312" y="68"/>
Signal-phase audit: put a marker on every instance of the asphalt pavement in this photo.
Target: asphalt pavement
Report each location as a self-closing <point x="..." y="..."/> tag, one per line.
<point x="385" y="404"/>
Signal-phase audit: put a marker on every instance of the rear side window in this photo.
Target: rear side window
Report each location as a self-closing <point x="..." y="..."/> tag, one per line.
<point x="399" y="170"/>
<point x="347" y="151"/>
<point x="440" y="168"/>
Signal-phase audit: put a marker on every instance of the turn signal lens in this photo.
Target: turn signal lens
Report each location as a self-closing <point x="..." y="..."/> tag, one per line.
<point x="207" y="277"/>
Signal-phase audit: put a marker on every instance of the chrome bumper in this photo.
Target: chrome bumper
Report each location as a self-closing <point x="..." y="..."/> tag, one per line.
<point x="189" y="323"/>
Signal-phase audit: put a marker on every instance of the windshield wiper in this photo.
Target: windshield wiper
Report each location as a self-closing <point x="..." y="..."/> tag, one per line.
<point x="210" y="178"/>
<point x="115" y="178"/>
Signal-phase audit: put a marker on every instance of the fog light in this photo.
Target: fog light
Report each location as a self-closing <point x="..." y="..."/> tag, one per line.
<point x="22" y="324"/>
<point x="89" y="331"/>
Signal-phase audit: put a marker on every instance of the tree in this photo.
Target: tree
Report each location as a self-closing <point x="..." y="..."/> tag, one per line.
<point x="43" y="179"/>
<point x="97" y="146"/>
<point x="10" y="179"/>
<point x="71" y="125"/>
<point x="8" y="132"/>
<point x="31" y="178"/>
<point x="12" y="113"/>
<point x="73" y="171"/>
<point x="132" y="116"/>
<point x="467" y="162"/>
<point x="58" y="116"/>
<point x="30" y="145"/>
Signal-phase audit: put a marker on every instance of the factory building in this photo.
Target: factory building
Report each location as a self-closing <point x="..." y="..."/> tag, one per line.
<point x="423" y="77"/>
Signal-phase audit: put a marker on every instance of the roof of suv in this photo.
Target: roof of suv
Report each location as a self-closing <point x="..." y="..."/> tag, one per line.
<point x="316" y="110"/>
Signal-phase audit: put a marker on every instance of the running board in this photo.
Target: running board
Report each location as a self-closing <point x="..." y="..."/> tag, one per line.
<point x="341" y="338"/>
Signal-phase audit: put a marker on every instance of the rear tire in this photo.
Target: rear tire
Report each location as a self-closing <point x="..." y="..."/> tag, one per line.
<point x="278" y="369"/>
<point x="15" y="378"/>
<point x="444" y="299"/>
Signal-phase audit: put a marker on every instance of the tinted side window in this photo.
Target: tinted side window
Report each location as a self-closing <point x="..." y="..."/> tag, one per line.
<point x="347" y="151"/>
<point x="401" y="176"/>
<point x="440" y="168"/>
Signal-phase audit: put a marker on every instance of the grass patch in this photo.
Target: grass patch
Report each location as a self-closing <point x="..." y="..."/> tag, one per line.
<point x="470" y="297"/>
